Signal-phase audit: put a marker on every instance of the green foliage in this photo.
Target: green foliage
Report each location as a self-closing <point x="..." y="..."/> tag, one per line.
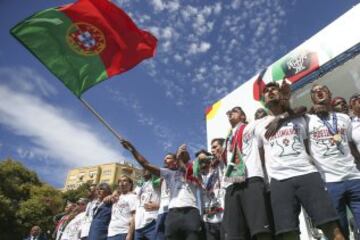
<point x="25" y="201"/>
<point x="74" y="194"/>
<point x="43" y="204"/>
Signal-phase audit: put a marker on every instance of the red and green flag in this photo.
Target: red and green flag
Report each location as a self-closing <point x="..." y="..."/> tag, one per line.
<point x="85" y="42"/>
<point x="295" y="66"/>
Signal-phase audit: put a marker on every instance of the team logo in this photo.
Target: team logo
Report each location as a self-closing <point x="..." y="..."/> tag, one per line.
<point x="85" y="39"/>
<point x="299" y="65"/>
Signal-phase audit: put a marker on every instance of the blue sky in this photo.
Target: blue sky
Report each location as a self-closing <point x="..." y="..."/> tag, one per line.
<point x="205" y="50"/>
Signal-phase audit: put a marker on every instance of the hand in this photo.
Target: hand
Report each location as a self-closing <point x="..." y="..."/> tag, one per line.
<point x="127" y="145"/>
<point x="150" y="206"/>
<point x="274" y="125"/>
<point x="285" y="89"/>
<point x="215" y="162"/>
<point x="182" y="153"/>
<point x="319" y="108"/>
<point x="300" y="110"/>
<point x="110" y="199"/>
<point x="107" y="199"/>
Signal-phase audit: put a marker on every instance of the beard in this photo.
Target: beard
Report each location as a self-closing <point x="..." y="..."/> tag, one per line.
<point x="272" y="103"/>
<point x="322" y="110"/>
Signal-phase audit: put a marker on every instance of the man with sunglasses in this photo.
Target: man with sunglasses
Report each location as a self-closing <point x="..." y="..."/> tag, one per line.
<point x="246" y="213"/>
<point x="331" y="146"/>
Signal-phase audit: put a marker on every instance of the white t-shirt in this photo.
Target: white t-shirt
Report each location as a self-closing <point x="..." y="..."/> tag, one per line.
<point x="121" y="213"/>
<point x="72" y="230"/>
<point x="355" y="123"/>
<point x="285" y="153"/>
<point x="182" y="193"/>
<point x="334" y="161"/>
<point x="250" y="151"/>
<point x="145" y="194"/>
<point x="164" y="197"/>
<point x="216" y="197"/>
<point x="89" y="212"/>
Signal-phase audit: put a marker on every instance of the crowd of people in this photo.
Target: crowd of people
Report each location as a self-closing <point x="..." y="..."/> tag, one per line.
<point x="252" y="185"/>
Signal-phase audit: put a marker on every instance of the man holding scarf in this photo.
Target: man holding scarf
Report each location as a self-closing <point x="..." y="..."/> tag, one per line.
<point x="246" y="214"/>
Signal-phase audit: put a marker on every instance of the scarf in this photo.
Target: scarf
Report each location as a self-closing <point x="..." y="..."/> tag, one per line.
<point x="235" y="170"/>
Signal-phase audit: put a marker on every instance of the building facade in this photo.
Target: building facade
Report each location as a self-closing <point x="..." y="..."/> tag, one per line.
<point x="107" y="173"/>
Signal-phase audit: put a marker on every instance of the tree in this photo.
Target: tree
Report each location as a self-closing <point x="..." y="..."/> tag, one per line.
<point x="43" y="204"/>
<point x="74" y="194"/>
<point x="25" y="201"/>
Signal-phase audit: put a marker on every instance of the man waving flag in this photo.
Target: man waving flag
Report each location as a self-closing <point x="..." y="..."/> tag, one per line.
<point x="85" y="42"/>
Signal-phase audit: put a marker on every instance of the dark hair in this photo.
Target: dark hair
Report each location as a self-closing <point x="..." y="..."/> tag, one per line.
<point x="355" y="95"/>
<point x="106" y="187"/>
<point x="202" y="151"/>
<point x="219" y="140"/>
<point x="337" y="98"/>
<point x="270" y="84"/>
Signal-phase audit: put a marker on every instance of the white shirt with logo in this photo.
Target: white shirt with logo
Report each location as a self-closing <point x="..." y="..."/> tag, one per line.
<point x="285" y="152"/>
<point x="121" y="214"/>
<point x="164" y="197"/>
<point x="250" y="151"/>
<point x="182" y="193"/>
<point x="89" y="213"/>
<point x="72" y="230"/>
<point x="215" y="198"/>
<point x="334" y="161"/>
<point x="145" y="194"/>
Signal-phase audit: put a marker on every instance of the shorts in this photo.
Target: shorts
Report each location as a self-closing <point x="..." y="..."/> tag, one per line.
<point x="183" y="223"/>
<point x="287" y="197"/>
<point x="246" y="210"/>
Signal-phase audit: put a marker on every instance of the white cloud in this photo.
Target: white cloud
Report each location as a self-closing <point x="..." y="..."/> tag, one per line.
<point x="158" y="5"/>
<point x="243" y="37"/>
<point x="27" y="80"/>
<point x="199" y="48"/>
<point x="54" y="134"/>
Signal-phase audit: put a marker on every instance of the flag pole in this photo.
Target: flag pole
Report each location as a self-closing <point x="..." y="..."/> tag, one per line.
<point x="101" y="119"/>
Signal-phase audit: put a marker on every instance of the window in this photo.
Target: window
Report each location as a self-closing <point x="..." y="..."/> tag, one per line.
<point x="106" y="172"/>
<point x="92" y="174"/>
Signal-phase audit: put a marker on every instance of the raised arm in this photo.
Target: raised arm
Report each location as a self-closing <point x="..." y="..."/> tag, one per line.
<point x="274" y="125"/>
<point x="182" y="156"/>
<point x="140" y="159"/>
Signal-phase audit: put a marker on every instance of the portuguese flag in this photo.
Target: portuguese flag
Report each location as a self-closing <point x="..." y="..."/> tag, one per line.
<point x="85" y="42"/>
